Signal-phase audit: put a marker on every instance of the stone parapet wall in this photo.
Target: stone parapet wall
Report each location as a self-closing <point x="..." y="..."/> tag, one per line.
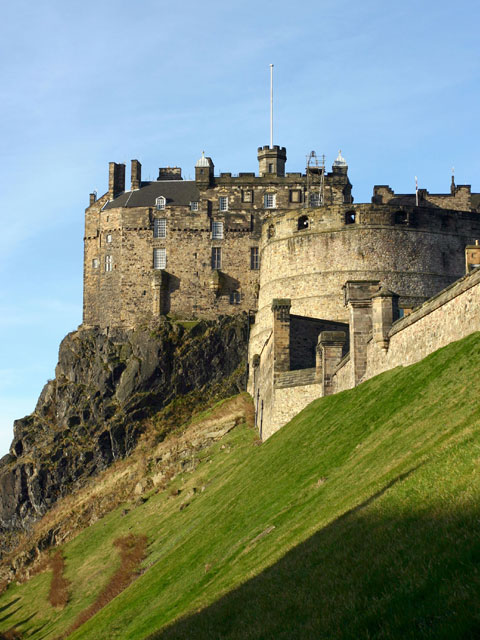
<point x="449" y="316"/>
<point x="343" y="376"/>
<point x="296" y="378"/>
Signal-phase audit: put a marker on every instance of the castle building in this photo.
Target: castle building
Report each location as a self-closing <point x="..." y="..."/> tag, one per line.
<point x="281" y="245"/>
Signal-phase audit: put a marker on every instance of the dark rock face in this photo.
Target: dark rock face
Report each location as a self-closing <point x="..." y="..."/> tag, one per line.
<point x="106" y="384"/>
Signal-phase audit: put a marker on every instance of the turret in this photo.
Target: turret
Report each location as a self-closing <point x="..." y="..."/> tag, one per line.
<point x="340" y="165"/>
<point x="204" y="171"/>
<point x="271" y="161"/>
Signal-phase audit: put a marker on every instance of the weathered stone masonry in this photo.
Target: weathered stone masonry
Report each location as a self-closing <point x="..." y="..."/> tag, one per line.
<point x="323" y="278"/>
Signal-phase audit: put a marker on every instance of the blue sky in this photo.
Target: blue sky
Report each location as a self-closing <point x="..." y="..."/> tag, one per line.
<point x="394" y="85"/>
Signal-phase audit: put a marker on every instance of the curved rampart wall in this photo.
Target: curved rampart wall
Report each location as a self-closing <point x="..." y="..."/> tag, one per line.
<point x="415" y="251"/>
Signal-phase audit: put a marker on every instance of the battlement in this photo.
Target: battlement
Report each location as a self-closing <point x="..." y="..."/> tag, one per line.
<point x="459" y="199"/>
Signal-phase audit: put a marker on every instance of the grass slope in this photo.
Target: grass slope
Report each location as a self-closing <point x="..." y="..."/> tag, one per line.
<point x="359" y="519"/>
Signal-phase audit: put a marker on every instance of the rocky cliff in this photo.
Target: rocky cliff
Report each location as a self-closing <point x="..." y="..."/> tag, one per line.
<point x="108" y="385"/>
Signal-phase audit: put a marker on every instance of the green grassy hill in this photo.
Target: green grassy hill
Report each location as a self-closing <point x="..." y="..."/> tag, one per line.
<point x="359" y="519"/>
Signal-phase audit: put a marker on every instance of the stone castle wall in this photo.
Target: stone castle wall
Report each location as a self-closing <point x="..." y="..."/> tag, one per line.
<point x="416" y="258"/>
<point x="449" y="316"/>
<point x="121" y="286"/>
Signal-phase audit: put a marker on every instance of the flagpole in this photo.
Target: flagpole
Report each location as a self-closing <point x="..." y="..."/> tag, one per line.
<point x="416" y="191"/>
<point x="271" y="106"/>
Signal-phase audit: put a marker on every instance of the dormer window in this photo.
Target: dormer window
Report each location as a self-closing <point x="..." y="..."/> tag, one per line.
<point x="223" y="203"/>
<point x="270" y="200"/>
<point x="193" y="206"/>
<point x="160" y="202"/>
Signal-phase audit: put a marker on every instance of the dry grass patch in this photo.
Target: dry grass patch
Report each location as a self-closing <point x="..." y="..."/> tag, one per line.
<point x="58" y="595"/>
<point x="132" y="552"/>
<point x="151" y="466"/>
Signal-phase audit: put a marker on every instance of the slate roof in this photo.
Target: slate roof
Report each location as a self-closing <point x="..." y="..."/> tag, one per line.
<point x="177" y="193"/>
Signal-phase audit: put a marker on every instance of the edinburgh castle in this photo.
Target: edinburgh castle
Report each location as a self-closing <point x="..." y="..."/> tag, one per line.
<point x="321" y="278"/>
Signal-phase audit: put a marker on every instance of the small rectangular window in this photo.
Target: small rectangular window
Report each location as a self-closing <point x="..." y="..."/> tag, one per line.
<point x="159" y="258"/>
<point x="270" y="201"/>
<point x="254" y="258"/>
<point x="108" y="263"/>
<point x="315" y="200"/>
<point x="217" y="230"/>
<point x="108" y="237"/>
<point x="95" y="263"/>
<point x="159" y="227"/>
<point x="235" y="297"/>
<point x="223" y="203"/>
<point x="271" y="168"/>
<point x="216" y="258"/>
<point x="193" y="206"/>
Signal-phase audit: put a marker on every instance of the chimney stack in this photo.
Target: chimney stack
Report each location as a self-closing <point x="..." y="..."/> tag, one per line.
<point x="136" y="175"/>
<point x="116" y="179"/>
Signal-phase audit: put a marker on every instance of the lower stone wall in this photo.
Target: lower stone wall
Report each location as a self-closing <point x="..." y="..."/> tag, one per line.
<point x="287" y="403"/>
<point x="343" y="377"/>
<point x="451" y="315"/>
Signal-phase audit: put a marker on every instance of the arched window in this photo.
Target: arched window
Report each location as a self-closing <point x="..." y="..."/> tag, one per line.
<point x="401" y="217"/>
<point x="350" y="217"/>
<point x="160" y="202"/>
<point x="303" y="223"/>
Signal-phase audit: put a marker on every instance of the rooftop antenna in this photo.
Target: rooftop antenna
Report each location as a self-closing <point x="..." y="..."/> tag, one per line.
<point x="271" y="106"/>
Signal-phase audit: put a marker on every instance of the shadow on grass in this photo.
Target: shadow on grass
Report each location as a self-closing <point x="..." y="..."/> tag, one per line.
<point x="393" y="573"/>
<point x="9" y="604"/>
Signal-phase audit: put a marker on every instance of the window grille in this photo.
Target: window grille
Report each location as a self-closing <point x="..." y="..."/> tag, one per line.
<point x="217" y="230"/>
<point x="160" y="228"/>
<point x="270" y="200"/>
<point x="160" y="202"/>
<point x="315" y="200"/>
<point x="235" y="297"/>
<point x="108" y="263"/>
<point x="159" y="258"/>
<point x="216" y="258"/>
<point x="254" y="258"/>
<point x="223" y="203"/>
<point x="194" y="206"/>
